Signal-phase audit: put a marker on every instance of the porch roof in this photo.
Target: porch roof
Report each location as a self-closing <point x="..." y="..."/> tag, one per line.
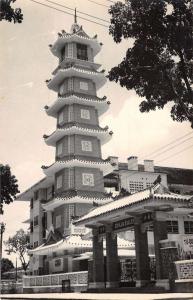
<point x="75" y="241"/>
<point x="157" y="192"/>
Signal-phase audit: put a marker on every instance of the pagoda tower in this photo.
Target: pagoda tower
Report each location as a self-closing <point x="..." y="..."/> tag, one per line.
<point x="78" y="169"/>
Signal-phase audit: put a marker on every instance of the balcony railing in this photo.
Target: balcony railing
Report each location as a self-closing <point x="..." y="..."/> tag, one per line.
<point x="77" y="279"/>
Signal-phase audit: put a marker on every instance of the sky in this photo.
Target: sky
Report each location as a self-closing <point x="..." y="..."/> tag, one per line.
<point x="26" y="62"/>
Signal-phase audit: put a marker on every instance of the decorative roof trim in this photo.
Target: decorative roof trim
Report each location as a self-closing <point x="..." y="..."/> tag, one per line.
<point x="78" y="62"/>
<point x="79" y="69"/>
<point x="56" y="202"/>
<point x="105" y="165"/>
<point x="134" y="199"/>
<point x="101" y="133"/>
<point x="98" y="77"/>
<point x="100" y="104"/>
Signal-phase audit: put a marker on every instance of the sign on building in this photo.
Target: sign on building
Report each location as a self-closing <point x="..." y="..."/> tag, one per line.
<point x="187" y="241"/>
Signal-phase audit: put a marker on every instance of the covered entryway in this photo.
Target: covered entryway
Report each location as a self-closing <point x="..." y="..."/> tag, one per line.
<point x="142" y="212"/>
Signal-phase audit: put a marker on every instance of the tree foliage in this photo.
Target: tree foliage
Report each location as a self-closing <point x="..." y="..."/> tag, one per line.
<point x="8" y="13"/>
<point x="19" y="244"/>
<point x="8" y="187"/>
<point x="6" y="265"/>
<point x="159" y="64"/>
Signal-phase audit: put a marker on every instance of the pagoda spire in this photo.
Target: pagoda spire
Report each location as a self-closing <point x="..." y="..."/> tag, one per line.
<point x="75" y="27"/>
<point x="75" y="17"/>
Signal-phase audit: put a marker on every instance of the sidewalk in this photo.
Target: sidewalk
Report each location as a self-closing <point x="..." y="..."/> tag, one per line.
<point x="79" y="296"/>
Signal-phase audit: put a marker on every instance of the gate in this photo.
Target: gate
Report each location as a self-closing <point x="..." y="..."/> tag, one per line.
<point x="128" y="272"/>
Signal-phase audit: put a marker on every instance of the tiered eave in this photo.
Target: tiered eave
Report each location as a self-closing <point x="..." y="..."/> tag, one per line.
<point x="70" y="38"/>
<point x="77" y="161"/>
<point x="97" y="77"/>
<point x="101" y="104"/>
<point x="102" y="134"/>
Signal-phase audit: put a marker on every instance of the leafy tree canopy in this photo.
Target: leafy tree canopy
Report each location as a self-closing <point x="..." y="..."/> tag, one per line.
<point x="159" y="64"/>
<point x="6" y="265"/>
<point x="8" y="186"/>
<point x="19" y="244"/>
<point x="8" y="13"/>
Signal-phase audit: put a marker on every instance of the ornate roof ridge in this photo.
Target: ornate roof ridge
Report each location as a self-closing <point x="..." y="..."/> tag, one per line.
<point x="83" y="96"/>
<point x="81" y="193"/>
<point x="90" y="128"/>
<point x="130" y="200"/>
<point x="73" y="66"/>
<point x="81" y="159"/>
<point x="83" y="126"/>
<point x="79" y="33"/>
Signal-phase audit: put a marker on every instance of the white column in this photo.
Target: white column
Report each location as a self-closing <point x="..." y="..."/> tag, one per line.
<point x="49" y="219"/>
<point x="181" y="224"/>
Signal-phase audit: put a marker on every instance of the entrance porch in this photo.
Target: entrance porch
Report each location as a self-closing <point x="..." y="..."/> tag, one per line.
<point x="144" y="214"/>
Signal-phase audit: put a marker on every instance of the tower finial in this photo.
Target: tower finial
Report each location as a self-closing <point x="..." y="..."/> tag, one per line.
<point x="75" y="17"/>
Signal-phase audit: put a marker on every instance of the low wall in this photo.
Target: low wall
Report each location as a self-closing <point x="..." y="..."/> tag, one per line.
<point x="184" y="283"/>
<point x="11" y="287"/>
<point x="53" y="283"/>
<point x="184" y="269"/>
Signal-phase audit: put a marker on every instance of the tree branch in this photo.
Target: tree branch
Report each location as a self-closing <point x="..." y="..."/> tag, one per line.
<point x="184" y="74"/>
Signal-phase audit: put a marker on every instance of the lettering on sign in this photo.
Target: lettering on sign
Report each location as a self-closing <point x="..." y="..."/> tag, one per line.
<point x="123" y="223"/>
<point x="147" y="217"/>
<point x="187" y="243"/>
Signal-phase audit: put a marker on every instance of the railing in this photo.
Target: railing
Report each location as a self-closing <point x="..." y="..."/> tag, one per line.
<point x="184" y="269"/>
<point x="76" y="279"/>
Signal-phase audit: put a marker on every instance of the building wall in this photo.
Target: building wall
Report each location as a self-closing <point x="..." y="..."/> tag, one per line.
<point x="73" y="145"/>
<point x="93" y="120"/>
<point x="59" y="212"/>
<point x="75" y="115"/>
<point x="98" y="179"/>
<point x="73" y="45"/>
<point x="36" y="237"/>
<point x="67" y="84"/>
<point x="91" y="86"/>
<point x="82" y="209"/>
<point x="76" y="180"/>
<point x="181" y="188"/>
<point x="96" y="146"/>
<point x="135" y="180"/>
<point x="62" y="214"/>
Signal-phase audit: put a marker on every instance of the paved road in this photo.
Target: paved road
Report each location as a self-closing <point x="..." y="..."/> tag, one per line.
<point x="76" y="296"/>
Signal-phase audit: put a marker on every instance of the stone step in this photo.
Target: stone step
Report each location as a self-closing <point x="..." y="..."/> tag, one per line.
<point x="130" y="290"/>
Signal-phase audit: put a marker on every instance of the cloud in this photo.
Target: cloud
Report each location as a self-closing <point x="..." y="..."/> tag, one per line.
<point x="12" y="39"/>
<point x="27" y="84"/>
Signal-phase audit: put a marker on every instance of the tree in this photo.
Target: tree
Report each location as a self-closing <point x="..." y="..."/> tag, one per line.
<point x="8" y="13"/>
<point x="159" y="64"/>
<point x="8" y="186"/>
<point x="6" y="265"/>
<point x="19" y="244"/>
